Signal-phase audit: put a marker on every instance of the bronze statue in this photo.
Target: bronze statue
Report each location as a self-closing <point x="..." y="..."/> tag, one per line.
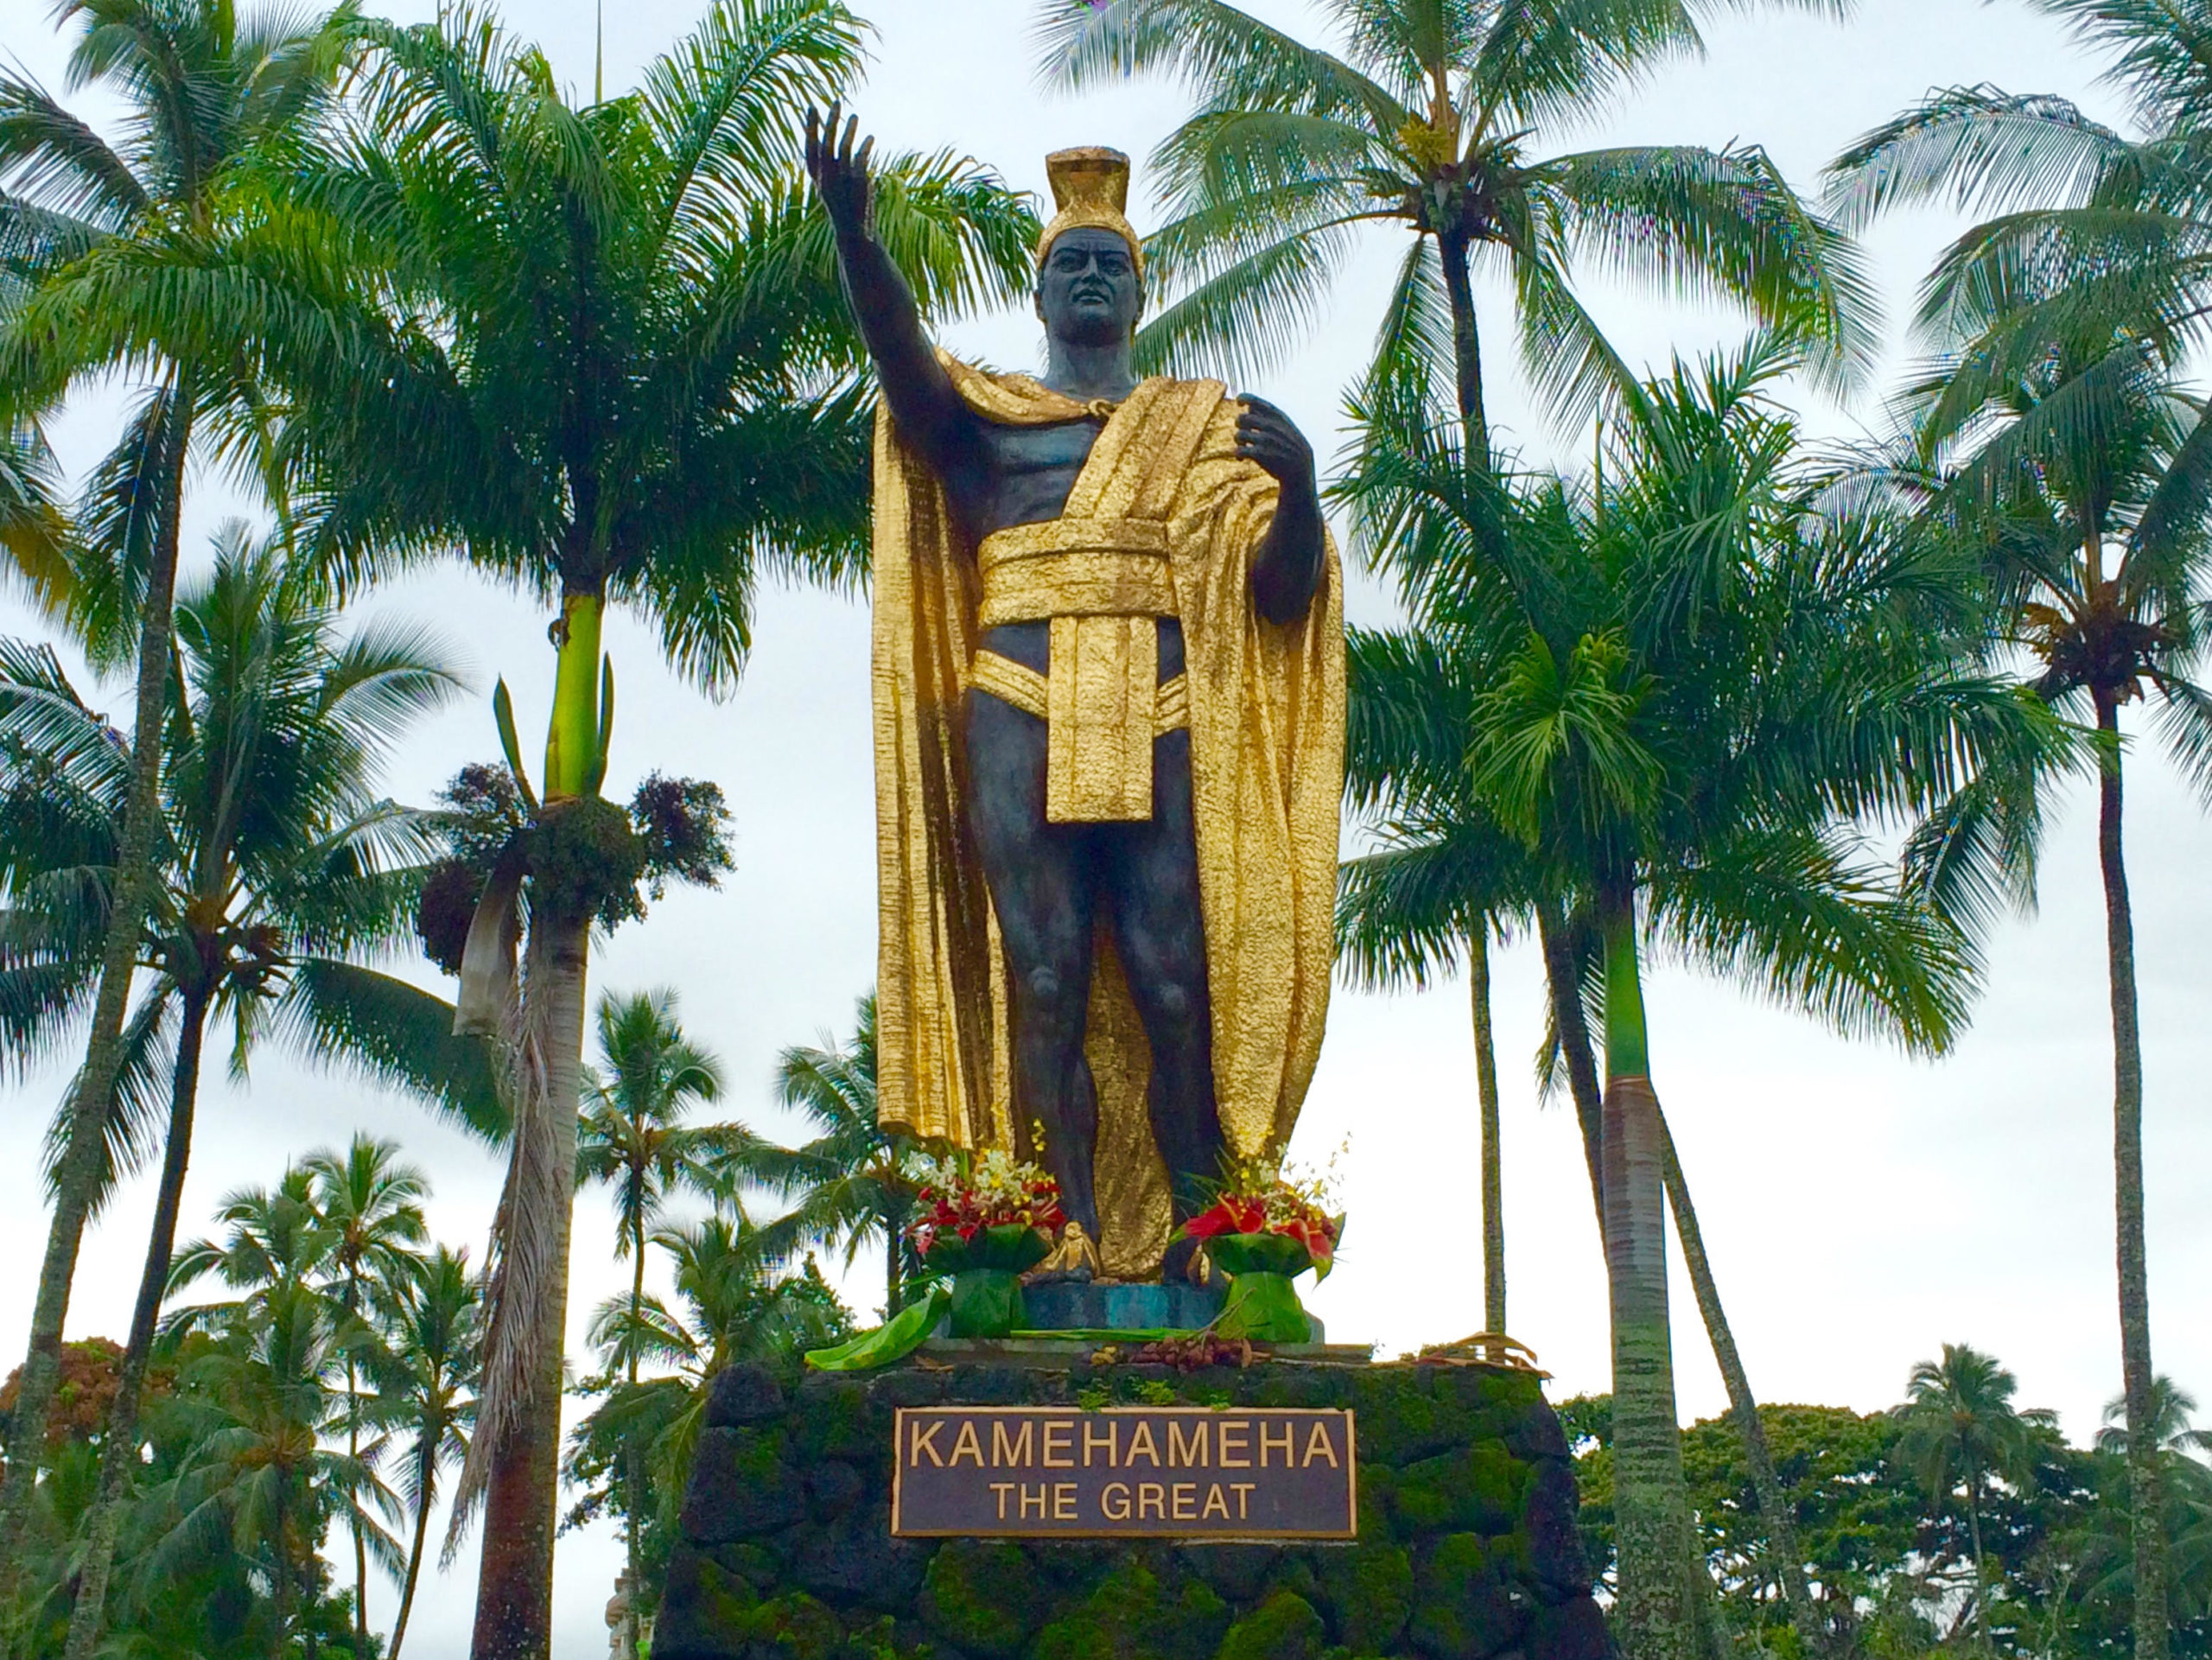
<point x="1110" y="713"/>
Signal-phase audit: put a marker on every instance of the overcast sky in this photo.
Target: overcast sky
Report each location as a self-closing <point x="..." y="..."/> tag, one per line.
<point x="1860" y="1209"/>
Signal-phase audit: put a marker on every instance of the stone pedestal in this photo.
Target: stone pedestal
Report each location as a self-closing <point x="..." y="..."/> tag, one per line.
<point x="1468" y="1548"/>
<point x="1120" y="1305"/>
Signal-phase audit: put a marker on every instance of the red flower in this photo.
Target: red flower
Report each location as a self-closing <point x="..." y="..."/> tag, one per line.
<point x="1316" y="1234"/>
<point x="1231" y="1214"/>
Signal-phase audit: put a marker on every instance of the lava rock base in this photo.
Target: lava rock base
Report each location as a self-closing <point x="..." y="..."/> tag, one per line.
<point x="1468" y="1547"/>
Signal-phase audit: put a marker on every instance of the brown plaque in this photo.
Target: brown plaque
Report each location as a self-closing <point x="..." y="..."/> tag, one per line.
<point x="1184" y="1472"/>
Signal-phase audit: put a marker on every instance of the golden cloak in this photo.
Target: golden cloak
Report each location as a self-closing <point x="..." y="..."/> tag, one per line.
<point x="1267" y="723"/>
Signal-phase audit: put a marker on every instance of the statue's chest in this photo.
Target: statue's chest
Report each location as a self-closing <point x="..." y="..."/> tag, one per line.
<point x="1031" y="469"/>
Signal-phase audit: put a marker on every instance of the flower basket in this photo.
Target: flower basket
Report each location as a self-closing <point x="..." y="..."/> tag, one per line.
<point x="986" y="1269"/>
<point x="983" y="1225"/>
<point x="1263" y="1305"/>
<point x="1263" y="1238"/>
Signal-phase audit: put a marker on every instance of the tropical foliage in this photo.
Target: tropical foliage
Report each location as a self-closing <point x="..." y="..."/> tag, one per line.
<point x="1791" y="717"/>
<point x="1898" y="1563"/>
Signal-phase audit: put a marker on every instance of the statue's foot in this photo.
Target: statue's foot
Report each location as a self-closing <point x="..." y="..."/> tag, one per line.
<point x="1185" y="1263"/>
<point x="1074" y="1261"/>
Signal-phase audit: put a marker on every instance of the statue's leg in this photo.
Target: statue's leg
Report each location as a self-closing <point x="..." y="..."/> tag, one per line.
<point x="1151" y="873"/>
<point x="1041" y="892"/>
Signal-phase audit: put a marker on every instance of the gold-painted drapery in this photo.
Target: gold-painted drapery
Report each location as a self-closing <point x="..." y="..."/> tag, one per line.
<point x="1265" y="705"/>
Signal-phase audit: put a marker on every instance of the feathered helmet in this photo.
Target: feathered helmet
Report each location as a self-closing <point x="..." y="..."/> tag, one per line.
<point x="1091" y="187"/>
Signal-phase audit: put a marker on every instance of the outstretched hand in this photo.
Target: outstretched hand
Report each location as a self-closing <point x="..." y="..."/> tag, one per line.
<point x="840" y="173"/>
<point x="1266" y="437"/>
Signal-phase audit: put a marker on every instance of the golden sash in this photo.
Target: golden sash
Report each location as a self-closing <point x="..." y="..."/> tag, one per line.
<point x="1102" y="579"/>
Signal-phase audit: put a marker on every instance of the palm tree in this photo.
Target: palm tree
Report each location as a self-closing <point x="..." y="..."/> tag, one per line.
<point x="1961" y="1428"/>
<point x="1430" y="121"/>
<point x="697" y="415"/>
<point x="204" y="91"/>
<point x="632" y="1135"/>
<point x="258" y="1476"/>
<point x="1688" y="685"/>
<point x="426" y="1371"/>
<point x="730" y="1308"/>
<point x="370" y="1203"/>
<point x="2062" y="443"/>
<point x="2072" y="305"/>
<point x="1444" y="874"/>
<point x="274" y="851"/>
<point x="855" y="1184"/>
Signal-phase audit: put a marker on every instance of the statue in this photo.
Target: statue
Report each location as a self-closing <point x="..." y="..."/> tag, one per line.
<point x="1108" y="695"/>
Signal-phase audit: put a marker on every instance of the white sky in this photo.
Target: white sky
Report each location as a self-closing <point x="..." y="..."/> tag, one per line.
<point x="1860" y="1209"/>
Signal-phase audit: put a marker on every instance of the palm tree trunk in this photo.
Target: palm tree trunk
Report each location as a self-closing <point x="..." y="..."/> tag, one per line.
<point x="514" y="1584"/>
<point x="514" y="1592"/>
<point x="1563" y="976"/>
<point x="361" y="1540"/>
<point x="1493" y="1165"/>
<point x="78" y="1176"/>
<point x="1454" y="248"/>
<point x="2147" y="1515"/>
<point x="119" y="1440"/>
<point x="427" y="1463"/>
<point x="1661" y="1613"/>
<point x="1981" y="1571"/>
<point x="281" y="1629"/>
<point x="634" y="1452"/>
<point x="1766" y="1485"/>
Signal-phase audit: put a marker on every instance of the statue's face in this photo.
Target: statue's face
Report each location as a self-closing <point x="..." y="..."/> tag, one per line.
<point x="1088" y="293"/>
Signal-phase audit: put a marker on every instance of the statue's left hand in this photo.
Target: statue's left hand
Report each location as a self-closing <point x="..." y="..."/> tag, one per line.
<point x="1266" y="436"/>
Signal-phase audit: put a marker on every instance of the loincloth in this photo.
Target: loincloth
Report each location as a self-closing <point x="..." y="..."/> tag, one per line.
<point x="1103" y="584"/>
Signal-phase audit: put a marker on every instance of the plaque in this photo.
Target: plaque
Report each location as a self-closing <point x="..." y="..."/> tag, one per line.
<point x="1176" y="1472"/>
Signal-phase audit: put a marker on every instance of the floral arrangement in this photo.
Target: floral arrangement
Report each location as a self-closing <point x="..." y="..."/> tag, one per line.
<point x="1266" y="1226"/>
<point x="985" y="1222"/>
<point x="962" y="1198"/>
<point x="1284" y="1202"/>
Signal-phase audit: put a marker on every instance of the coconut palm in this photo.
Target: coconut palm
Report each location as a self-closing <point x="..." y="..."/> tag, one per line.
<point x="370" y="1204"/>
<point x="730" y="1305"/>
<point x="206" y="87"/>
<point x="1692" y="683"/>
<point x="1431" y="120"/>
<point x="1960" y="1430"/>
<point x="2083" y="479"/>
<point x="425" y="1372"/>
<point x="1443" y="875"/>
<point x="2071" y="305"/>
<point x="854" y="1185"/>
<point x="632" y="1137"/>
<point x="257" y="1477"/>
<point x="699" y="417"/>
<point x="275" y="864"/>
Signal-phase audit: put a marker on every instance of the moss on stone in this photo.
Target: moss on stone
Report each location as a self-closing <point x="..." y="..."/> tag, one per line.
<point x="1369" y="1592"/>
<point x="1461" y="1610"/>
<point x="793" y="1626"/>
<point x="1133" y="1615"/>
<point x="980" y="1596"/>
<point x="1400" y="1418"/>
<point x="749" y="1561"/>
<point x="1284" y="1627"/>
<point x="1470" y="1490"/>
<point x="841" y="1421"/>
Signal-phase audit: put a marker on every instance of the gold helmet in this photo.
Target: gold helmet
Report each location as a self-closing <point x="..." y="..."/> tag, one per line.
<point x="1091" y="187"/>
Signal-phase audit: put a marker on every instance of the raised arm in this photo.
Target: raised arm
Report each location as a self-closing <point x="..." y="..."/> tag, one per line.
<point x="1287" y="565"/>
<point x="929" y="411"/>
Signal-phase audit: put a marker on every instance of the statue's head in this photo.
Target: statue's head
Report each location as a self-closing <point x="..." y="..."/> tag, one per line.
<point x="1090" y="262"/>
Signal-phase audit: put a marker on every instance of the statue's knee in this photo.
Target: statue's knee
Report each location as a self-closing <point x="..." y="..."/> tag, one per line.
<point x="1049" y="993"/>
<point x="1180" y="1007"/>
